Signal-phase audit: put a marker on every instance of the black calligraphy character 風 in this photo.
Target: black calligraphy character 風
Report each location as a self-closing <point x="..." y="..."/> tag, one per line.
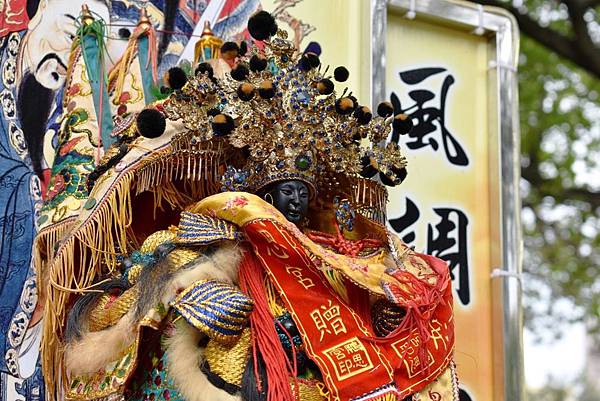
<point x="450" y="244"/>
<point x="428" y="118"/>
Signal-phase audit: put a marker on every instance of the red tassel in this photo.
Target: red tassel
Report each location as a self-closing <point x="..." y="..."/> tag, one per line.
<point x="342" y="245"/>
<point x="420" y="299"/>
<point x="264" y="336"/>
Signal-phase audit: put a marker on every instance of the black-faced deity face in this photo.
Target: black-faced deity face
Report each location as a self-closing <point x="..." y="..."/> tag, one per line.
<point x="291" y="199"/>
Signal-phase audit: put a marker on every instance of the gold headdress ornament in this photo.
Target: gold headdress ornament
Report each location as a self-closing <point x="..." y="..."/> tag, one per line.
<point x="208" y="46"/>
<point x="278" y="107"/>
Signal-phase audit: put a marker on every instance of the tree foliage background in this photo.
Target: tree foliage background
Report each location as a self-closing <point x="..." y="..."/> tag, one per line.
<point x="559" y="89"/>
<point x="559" y="79"/>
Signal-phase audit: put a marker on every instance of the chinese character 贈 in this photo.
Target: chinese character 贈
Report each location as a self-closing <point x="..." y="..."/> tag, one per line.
<point x="327" y="319"/>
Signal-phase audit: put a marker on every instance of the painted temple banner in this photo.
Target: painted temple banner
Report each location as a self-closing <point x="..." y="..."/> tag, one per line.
<point x="35" y="43"/>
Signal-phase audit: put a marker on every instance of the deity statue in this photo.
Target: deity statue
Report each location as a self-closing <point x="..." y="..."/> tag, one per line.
<point x="238" y="251"/>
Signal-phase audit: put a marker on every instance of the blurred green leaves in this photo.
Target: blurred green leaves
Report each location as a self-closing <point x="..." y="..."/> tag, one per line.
<point x="560" y="127"/>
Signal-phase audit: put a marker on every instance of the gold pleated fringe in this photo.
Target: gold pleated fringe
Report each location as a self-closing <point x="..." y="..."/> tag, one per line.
<point x="91" y="250"/>
<point x="43" y="250"/>
<point x="94" y="245"/>
<point x="371" y="198"/>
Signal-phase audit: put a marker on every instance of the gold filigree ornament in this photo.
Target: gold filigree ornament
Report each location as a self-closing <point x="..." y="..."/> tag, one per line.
<point x="279" y="112"/>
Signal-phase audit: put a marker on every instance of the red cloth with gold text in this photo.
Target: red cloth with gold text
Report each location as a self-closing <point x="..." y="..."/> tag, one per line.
<point x="354" y="365"/>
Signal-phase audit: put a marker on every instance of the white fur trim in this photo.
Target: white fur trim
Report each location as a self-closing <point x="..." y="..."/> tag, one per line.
<point x="97" y="349"/>
<point x="184" y="358"/>
<point x="221" y="266"/>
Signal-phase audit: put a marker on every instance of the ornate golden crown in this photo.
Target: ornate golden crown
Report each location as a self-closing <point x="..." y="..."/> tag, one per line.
<point x="279" y="112"/>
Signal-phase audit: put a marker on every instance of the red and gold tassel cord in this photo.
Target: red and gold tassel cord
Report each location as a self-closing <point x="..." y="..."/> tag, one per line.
<point x="264" y="336"/>
<point x="420" y="299"/>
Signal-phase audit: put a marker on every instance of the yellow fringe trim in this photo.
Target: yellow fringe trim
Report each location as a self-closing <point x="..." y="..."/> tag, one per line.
<point x="74" y="269"/>
<point x="275" y="304"/>
<point x="43" y="253"/>
<point x="91" y="250"/>
<point x="45" y="242"/>
<point x="337" y="281"/>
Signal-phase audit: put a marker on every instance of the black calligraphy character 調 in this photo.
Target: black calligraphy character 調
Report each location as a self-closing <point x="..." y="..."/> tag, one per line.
<point x="450" y="244"/>
<point x="402" y="223"/>
<point x="427" y="118"/>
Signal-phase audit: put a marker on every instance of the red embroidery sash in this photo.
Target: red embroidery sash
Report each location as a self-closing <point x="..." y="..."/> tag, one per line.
<point x="353" y="364"/>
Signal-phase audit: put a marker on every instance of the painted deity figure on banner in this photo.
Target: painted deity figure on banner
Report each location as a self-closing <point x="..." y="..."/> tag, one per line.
<point x="230" y="240"/>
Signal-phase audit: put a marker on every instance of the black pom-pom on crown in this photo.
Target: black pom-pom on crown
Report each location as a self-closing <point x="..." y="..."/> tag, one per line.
<point x="204" y="68"/>
<point x="386" y="180"/>
<point x="399" y="176"/>
<point x="402" y="124"/>
<point x="325" y="86"/>
<point x="401" y="173"/>
<point x="176" y="78"/>
<point x="385" y="109"/>
<point x="308" y="61"/>
<point x="345" y="105"/>
<point x="151" y="123"/>
<point x="363" y="115"/>
<point x="266" y="90"/>
<point x="222" y="125"/>
<point x="230" y="47"/>
<point x="258" y="63"/>
<point x="304" y="64"/>
<point x="354" y="101"/>
<point x="313" y="59"/>
<point x="243" y="48"/>
<point x="367" y="169"/>
<point x="246" y="91"/>
<point x="341" y="74"/>
<point x="240" y="72"/>
<point x="262" y="25"/>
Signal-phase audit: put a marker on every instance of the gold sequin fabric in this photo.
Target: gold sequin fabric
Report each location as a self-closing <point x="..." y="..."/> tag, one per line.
<point x="310" y="390"/>
<point x="109" y="309"/>
<point x="229" y="362"/>
<point x="156" y="239"/>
